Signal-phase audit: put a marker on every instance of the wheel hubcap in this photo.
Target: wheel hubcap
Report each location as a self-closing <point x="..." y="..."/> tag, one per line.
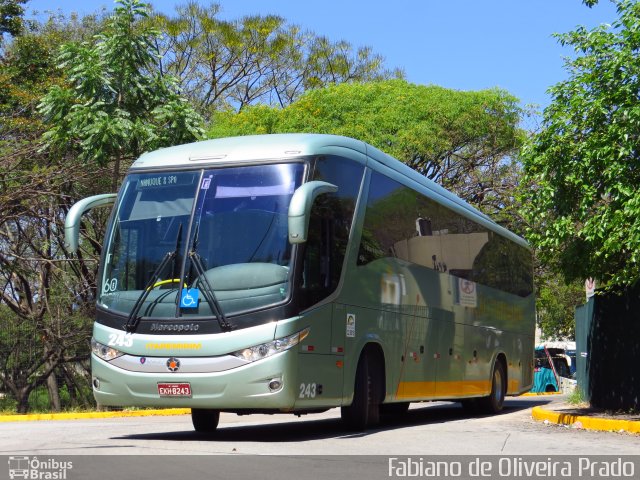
<point x="497" y="379"/>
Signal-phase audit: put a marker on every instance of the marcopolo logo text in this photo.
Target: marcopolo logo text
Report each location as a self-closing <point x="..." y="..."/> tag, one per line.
<point x="174" y="327"/>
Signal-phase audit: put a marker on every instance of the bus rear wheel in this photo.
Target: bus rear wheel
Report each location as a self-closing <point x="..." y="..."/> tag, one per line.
<point x="364" y="411"/>
<point x="495" y="401"/>
<point x="205" y="420"/>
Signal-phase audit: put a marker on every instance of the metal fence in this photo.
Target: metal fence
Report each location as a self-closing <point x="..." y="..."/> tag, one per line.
<point x="25" y="356"/>
<point x="608" y="350"/>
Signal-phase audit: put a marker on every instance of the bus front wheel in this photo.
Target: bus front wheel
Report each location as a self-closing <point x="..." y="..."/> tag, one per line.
<point x="364" y="411"/>
<point x="205" y="420"/>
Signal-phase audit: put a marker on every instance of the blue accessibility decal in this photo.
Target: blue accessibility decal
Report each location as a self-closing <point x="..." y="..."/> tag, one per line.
<point x="189" y="298"/>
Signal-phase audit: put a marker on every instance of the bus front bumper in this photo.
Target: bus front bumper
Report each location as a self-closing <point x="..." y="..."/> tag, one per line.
<point x="246" y="387"/>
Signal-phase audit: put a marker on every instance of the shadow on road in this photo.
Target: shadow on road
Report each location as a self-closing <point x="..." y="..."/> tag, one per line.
<point x="310" y="429"/>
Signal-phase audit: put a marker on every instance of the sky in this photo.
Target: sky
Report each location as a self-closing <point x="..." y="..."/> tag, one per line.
<point x="458" y="44"/>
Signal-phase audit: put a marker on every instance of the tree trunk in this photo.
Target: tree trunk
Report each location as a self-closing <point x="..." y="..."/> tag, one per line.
<point x="22" y="397"/>
<point x="54" y="392"/>
<point x="71" y="386"/>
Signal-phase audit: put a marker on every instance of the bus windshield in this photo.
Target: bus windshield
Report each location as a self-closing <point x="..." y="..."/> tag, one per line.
<point x="182" y="240"/>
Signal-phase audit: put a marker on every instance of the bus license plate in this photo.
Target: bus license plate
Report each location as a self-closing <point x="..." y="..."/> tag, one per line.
<point x="174" y="389"/>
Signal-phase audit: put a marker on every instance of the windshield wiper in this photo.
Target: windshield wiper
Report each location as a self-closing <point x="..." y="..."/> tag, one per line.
<point x="207" y="289"/>
<point x="133" y="319"/>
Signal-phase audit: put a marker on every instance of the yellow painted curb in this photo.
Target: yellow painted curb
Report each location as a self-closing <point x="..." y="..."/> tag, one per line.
<point x="82" y="415"/>
<point x="588" y="423"/>
<point x="537" y="394"/>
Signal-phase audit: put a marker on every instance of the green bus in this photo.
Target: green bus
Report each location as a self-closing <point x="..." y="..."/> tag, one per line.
<point x="296" y="273"/>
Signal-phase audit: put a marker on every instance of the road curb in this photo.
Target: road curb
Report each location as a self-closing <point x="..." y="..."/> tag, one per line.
<point x="588" y="423"/>
<point x="537" y="394"/>
<point x="31" y="417"/>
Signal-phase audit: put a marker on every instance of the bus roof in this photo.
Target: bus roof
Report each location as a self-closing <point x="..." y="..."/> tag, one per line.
<point x="250" y="148"/>
<point x="258" y="148"/>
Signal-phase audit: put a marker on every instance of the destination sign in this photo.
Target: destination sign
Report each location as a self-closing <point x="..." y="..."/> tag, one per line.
<point x="164" y="180"/>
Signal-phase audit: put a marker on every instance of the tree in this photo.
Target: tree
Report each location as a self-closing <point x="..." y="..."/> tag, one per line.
<point x="582" y="197"/>
<point x="556" y="303"/>
<point x="256" y="59"/>
<point x="11" y="12"/>
<point x="42" y="333"/>
<point x="463" y="140"/>
<point x="101" y="89"/>
<point x="114" y="104"/>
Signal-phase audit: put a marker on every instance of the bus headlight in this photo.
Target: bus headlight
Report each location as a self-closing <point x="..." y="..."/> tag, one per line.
<point x="105" y="352"/>
<point x="258" y="352"/>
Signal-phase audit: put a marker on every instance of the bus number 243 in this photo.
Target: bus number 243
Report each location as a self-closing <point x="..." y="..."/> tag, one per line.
<point x="308" y="390"/>
<point x="120" y="340"/>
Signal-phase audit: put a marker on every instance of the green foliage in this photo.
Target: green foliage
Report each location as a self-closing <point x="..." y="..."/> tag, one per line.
<point x="464" y="140"/>
<point x="11" y="12"/>
<point x="255" y="59"/>
<point x="581" y="188"/>
<point x="114" y="104"/>
<point x="576" y="397"/>
<point x="45" y="322"/>
<point x="25" y="68"/>
<point x="555" y="305"/>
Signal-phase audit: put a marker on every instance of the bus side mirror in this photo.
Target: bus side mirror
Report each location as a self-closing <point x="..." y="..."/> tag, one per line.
<point x="72" y="221"/>
<point x="300" y="208"/>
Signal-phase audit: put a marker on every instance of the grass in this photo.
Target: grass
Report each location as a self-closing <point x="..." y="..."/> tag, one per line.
<point x="576" y="397"/>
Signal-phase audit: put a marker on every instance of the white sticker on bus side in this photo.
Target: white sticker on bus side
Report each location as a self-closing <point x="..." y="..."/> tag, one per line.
<point x="351" y="325"/>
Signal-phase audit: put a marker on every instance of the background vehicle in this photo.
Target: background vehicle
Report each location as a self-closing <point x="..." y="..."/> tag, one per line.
<point x="296" y="273"/>
<point x="552" y="371"/>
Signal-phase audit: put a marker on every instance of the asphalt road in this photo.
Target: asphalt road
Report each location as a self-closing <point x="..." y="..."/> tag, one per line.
<point x="435" y="428"/>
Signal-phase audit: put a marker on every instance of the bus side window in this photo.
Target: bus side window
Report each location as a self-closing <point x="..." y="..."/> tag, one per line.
<point x="329" y="227"/>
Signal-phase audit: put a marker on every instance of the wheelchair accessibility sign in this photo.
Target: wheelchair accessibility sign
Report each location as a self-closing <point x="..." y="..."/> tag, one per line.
<point x="189" y="298"/>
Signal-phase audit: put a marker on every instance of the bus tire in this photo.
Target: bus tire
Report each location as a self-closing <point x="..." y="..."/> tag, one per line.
<point x="205" y="420"/>
<point x="364" y="410"/>
<point x="495" y="401"/>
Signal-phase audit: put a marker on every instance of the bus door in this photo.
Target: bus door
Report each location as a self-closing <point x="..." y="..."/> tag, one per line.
<point x="320" y="361"/>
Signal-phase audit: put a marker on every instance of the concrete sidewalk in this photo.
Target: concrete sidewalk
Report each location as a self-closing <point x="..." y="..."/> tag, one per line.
<point x="586" y="418"/>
